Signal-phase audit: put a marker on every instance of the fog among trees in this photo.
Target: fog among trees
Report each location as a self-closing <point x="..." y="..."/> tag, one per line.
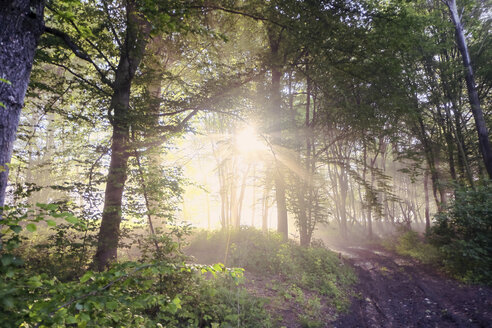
<point x="150" y="146"/>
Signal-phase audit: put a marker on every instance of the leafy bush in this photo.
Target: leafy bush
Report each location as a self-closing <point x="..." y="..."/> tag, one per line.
<point x="219" y="303"/>
<point x="463" y="233"/>
<point x="410" y="243"/>
<point x="162" y="291"/>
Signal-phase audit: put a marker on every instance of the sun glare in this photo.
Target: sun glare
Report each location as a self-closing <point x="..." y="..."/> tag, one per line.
<point x="248" y="141"/>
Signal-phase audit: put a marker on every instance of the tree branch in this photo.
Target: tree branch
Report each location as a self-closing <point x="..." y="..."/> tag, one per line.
<point x="82" y="54"/>
<point x="111" y="27"/>
<point x="92" y="84"/>
<point x="238" y="12"/>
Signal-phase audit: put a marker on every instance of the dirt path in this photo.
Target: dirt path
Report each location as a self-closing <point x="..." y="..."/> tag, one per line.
<point x="394" y="292"/>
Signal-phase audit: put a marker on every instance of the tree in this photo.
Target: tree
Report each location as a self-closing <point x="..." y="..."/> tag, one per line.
<point x="21" y="25"/>
<point x="131" y="38"/>
<point x="480" y="125"/>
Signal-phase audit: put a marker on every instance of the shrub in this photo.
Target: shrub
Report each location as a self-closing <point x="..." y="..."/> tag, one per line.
<point x="463" y="233"/>
<point x="410" y="243"/>
<point x="160" y="291"/>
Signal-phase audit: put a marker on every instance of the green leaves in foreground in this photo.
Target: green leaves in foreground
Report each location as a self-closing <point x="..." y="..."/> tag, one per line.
<point x="123" y="295"/>
<point x="463" y="235"/>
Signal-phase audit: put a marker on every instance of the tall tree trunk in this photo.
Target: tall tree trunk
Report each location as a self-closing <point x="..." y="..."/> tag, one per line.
<point x="132" y="52"/>
<point x="282" y="223"/>
<point x="463" y="158"/>
<point x="241" y="196"/>
<point x="431" y="162"/>
<point x="305" y="195"/>
<point x="426" y="192"/>
<point x="264" y="219"/>
<point x="274" y="38"/>
<point x="21" y="25"/>
<point x="343" y="183"/>
<point x="110" y="225"/>
<point x="253" y="206"/>
<point x="480" y="125"/>
<point x="368" y="201"/>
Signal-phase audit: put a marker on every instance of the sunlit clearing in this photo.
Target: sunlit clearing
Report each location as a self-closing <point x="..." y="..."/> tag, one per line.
<point x="248" y="141"/>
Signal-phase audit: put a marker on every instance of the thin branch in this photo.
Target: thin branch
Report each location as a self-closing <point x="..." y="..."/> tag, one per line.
<point x="169" y="113"/>
<point x="238" y="12"/>
<point x="82" y="54"/>
<point x="106" y="9"/>
<point x="87" y="39"/>
<point x="80" y="77"/>
<point x="93" y="45"/>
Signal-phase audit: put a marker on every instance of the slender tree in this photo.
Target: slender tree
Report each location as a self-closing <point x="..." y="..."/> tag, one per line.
<point x="480" y="125"/>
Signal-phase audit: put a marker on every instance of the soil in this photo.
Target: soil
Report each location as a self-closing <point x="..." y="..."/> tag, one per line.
<point x="396" y="292"/>
<point x="392" y="291"/>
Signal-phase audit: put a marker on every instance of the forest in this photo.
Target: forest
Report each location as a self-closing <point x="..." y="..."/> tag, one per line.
<point x="245" y="163"/>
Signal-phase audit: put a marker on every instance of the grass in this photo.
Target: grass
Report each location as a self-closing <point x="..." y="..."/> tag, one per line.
<point x="306" y="279"/>
<point x="411" y="244"/>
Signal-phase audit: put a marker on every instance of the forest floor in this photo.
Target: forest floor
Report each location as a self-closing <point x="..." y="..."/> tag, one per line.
<point x="391" y="291"/>
<point x="397" y="292"/>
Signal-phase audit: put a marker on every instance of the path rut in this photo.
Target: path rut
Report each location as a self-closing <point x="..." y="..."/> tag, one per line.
<point x="397" y="292"/>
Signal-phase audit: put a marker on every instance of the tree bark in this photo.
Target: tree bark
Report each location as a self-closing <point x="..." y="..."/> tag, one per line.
<point x="480" y="125"/>
<point x="282" y="223"/>
<point x="241" y="196"/>
<point x="274" y="38"/>
<point x="426" y="194"/>
<point x="264" y="212"/>
<point x="21" y="25"/>
<point x="132" y="52"/>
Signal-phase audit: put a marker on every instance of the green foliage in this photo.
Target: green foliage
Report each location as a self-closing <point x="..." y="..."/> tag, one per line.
<point x="463" y="233"/>
<point x="410" y="243"/>
<point x="311" y="315"/>
<point x="460" y="240"/>
<point x="314" y="268"/>
<point x="162" y="291"/>
<point x="220" y="303"/>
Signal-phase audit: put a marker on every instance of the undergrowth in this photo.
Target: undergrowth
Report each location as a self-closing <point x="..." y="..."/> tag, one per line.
<point x="295" y="269"/>
<point x="460" y="241"/>
<point x="411" y="243"/>
<point x="463" y="234"/>
<point x="160" y="290"/>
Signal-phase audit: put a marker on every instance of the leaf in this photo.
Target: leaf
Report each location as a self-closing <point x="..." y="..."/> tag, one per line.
<point x="5" y="81"/>
<point x="177" y="302"/>
<point x="88" y="275"/>
<point x="17" y="261"/>
<point x="16" y="228"/>
<point x="51" y="223"/>
<point x="10" y="273"/>
<point x="2" y="105"/>
<point x="66" y="14"/>
<point x="31" y="227"/>
<point x="8" y="302"/>
<point x="35" y="282"/>
<point x="7" y="259"/>
<point x="218" y="267"/>
<point x="84" y="318"/>
<point x="71" y="320"/>
<point x="72" y="219"/>
<point x="112" y="305"/>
